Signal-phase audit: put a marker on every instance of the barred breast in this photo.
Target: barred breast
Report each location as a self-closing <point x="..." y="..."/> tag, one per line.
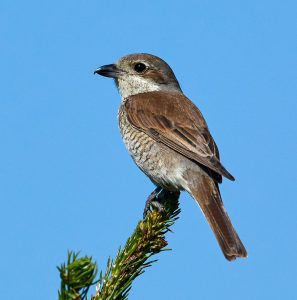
<point x="139" y="144"/>
<point x="155" y="160"/>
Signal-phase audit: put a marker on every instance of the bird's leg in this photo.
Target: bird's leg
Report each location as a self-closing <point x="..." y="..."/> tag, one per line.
<point x="157" y="199"/>
<point x="152" y="198"/>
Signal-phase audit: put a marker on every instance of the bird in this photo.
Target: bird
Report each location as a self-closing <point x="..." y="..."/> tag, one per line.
<point x="169" y="140"/>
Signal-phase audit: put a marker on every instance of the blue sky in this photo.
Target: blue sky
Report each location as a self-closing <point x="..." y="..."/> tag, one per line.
<point x="66" y="180"/>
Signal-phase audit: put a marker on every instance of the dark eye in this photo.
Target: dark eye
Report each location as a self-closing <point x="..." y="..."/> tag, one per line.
<point x="139" y="67"/>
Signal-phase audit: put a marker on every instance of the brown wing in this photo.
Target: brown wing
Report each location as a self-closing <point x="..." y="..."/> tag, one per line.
<point x="172" y="119"/>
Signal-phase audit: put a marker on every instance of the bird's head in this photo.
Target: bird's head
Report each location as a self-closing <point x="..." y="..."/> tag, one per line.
<point x="140" y="73"/>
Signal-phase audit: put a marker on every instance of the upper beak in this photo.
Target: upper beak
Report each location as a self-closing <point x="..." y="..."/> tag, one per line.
<point x="108" y="71"/>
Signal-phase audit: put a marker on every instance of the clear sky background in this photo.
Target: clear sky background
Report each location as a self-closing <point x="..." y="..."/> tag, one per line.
<point x="67" y="182"/>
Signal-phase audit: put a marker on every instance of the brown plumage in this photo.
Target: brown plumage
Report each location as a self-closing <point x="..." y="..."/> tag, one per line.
<point x="169" y="140"/>
<point x="175" y="121"/>
<point x="172" y="119"/>
<point x="209" y="199"/>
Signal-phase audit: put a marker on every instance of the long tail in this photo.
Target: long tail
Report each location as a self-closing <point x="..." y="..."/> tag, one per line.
<point x="208" y="196"/>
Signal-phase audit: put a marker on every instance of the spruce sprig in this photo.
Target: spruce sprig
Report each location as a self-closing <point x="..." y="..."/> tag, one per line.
<point x="77" y="276"/>
<point x="148" y="239"/>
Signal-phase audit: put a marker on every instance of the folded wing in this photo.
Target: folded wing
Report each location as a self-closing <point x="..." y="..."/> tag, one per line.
<point x="172" y="119"/>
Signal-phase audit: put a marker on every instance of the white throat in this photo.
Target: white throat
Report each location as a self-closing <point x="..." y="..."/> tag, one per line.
<point x="133" y="85"/>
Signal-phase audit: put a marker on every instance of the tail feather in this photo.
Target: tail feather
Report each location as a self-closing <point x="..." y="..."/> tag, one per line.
<point x="208" y="197"/>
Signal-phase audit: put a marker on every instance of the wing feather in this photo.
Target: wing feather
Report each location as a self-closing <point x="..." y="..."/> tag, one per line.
<point x="172" y="119"/>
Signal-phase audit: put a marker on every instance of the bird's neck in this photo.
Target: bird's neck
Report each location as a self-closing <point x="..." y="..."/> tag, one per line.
<point x="138" y="85"/>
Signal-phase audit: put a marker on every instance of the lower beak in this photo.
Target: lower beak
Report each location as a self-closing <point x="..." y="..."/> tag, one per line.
<point x="108" y="71"/>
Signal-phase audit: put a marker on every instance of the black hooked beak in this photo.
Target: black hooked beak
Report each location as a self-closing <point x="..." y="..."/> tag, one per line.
<point x="108" y="71"/>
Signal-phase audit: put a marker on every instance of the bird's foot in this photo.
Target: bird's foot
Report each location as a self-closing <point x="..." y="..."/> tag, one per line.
<point x="157" y="199"/>
<point x="152" y="201"/>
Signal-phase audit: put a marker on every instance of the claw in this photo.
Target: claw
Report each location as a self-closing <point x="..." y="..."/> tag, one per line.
<point x="151" y="200"/>
<point x="157" y="199"/>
